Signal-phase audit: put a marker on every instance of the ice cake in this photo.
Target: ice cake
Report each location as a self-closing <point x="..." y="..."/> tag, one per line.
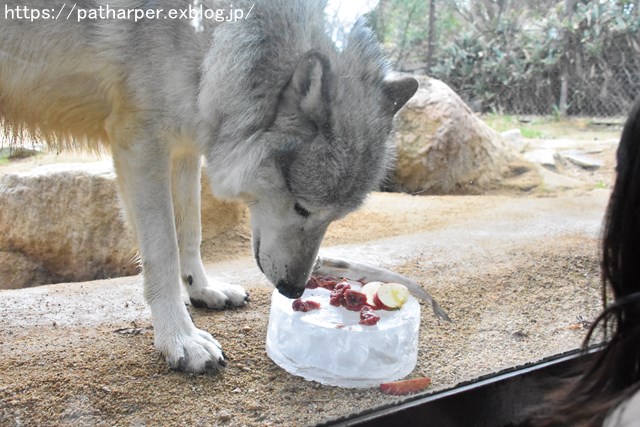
<point x="333" y="343"/>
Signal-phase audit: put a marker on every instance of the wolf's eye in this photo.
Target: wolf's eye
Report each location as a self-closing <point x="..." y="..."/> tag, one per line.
<point x="301" y="211"/>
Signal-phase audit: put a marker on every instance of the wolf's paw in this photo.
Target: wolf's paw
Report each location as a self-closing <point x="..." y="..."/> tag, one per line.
<point x="196" y="352"/>
<point x="218" y="295"/>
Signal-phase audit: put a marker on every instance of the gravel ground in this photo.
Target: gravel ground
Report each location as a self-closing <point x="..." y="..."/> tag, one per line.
<point x="515" y="305"/>
<point x="517" y="274"/>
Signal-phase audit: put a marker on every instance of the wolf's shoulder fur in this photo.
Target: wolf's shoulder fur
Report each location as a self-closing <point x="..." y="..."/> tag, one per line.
<point x="62" y="79"/>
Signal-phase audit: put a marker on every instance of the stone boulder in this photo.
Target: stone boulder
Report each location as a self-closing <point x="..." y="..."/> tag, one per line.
<point x="18" y="270"/>
<point x="61" y="222"/>
<point x="444" y="148"/>
<point x="64" y="222"/>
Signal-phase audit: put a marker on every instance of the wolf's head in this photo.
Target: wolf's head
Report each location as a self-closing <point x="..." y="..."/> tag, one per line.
<point x="325" y="146"/>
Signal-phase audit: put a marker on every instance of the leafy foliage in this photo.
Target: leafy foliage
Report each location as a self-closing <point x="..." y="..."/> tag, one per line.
<point x="512" y="56"/>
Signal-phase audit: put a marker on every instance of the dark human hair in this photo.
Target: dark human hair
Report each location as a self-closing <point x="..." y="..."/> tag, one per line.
<point x="614" y="375"/>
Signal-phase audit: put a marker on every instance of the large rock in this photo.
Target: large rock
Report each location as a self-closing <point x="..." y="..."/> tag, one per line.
<point x="64" y="220"/>
<point x="443" y="147"/>
<point x="64" y="223"/>
<point x="18" y="270"/>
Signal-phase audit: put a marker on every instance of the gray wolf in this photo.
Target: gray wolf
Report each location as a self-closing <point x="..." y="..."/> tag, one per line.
<point x="288" y="123"/>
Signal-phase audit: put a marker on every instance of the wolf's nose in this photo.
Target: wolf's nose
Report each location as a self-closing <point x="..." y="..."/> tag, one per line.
<point x="288" y="290"/>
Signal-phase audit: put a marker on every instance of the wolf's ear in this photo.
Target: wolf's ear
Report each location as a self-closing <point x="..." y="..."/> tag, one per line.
<point x="309" y="87"/>
<point x="399" y="91"/>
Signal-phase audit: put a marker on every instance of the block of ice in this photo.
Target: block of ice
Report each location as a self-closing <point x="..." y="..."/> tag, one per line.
<point x="328" y="345"/>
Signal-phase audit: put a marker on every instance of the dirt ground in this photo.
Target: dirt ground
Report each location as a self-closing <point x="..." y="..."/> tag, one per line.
<point x="517" y="272"/>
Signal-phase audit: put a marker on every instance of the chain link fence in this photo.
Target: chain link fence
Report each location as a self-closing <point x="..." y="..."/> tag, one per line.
<point x="576" y="58"/>
<point x="601" y="86"/>
<point x="599" y="92"/>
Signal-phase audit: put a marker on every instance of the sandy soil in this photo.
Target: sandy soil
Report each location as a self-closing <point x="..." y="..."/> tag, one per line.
<point x="518" y="274"/>
<point x="518" y="288"/>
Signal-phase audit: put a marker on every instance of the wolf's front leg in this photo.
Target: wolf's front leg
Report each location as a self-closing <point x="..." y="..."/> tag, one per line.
<point x="143" y="169"/>
<point x="203" y="292"/>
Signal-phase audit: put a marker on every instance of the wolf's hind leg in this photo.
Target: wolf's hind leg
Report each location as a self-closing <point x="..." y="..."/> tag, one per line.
<point x="203" y="292"/>
<point x="143" y="170"/>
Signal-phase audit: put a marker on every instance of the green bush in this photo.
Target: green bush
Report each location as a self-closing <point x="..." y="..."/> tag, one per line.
<point x="514" y="62"/>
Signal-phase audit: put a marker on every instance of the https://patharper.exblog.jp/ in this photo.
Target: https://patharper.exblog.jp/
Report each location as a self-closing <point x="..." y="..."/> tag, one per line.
<point x="72" y="12"/>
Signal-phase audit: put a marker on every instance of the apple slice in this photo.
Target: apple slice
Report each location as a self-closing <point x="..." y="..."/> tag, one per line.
<point x="392" y="296"/>
<point x="370" y="290"/>
<point x="402" y="387"/>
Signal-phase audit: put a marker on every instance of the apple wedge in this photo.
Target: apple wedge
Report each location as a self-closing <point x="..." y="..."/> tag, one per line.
<point x="370" y="290"/>
<point x="403" y="387"/>
<point x="391" y="296"/>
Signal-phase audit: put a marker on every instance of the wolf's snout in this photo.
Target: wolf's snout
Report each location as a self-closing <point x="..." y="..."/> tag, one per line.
<point x="285" y="253"/>
<point x="289" y="290"/>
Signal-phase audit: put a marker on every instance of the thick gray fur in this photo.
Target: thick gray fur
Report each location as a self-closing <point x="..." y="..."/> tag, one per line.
<point x="289" y="124"/>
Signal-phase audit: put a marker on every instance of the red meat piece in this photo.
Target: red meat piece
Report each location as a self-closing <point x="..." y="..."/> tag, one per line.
<point x="354" y="300"/>
<point x="368" y="316"/>
<point x="304" y="306"/>
<point x="337" y="294"/>
<point x="327" y="282"/>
